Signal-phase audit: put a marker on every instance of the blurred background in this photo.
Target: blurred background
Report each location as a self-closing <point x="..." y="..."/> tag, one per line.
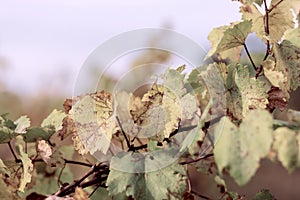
<point x="43" y="45"/>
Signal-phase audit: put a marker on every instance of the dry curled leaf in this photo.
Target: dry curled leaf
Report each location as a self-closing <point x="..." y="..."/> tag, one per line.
<point x="80" y="194"/>
<point x="44" y="150"/>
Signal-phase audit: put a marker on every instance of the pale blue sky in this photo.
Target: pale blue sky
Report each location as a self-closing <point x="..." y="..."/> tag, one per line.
<point x="42" y="39"/>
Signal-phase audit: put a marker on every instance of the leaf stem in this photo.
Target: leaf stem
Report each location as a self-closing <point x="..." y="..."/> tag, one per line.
<point x="249" y="56"/>
<point x="13" y="152"/>
<point x="200" y="195"/>
<point x="196" y="160"/>
<point x="124" y="134"/>
<point x="68" y="162"/>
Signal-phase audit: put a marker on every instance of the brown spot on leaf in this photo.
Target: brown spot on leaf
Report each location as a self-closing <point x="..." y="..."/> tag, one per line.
<point x="247" y="8"/>
<point x="277" y="99"/>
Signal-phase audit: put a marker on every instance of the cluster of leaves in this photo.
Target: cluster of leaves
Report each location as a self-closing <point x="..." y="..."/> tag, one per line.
<point x="217" y="118"/>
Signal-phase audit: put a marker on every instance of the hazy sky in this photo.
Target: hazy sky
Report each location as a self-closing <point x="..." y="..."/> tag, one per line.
<point x="44" y="39"/>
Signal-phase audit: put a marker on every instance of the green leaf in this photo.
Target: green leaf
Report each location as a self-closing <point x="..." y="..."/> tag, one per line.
<point x="101" y="193"/>
<point x="215" y="37"/>
<point x="33" y="134"/>
<point x="26" y="164"/>
<point x="22" y="124"/>
<point x="5" y="134"/>
<point x="3" y="168"/>
<point x="235" y="36"/>
<point x="143" y="185"/>
<point x="280" y="19"/>
<point x="287" y="145"/>
<point x="288" y="62"/>
<point x="293" y="117"/>
<point x="173" y="80"/>
<point x="213" y="80"/>
<point x="264" y="195"/>
<point x="6" y="193"/>
<point x="293" y="36"/>
<point x="47" y="183"/>
<point x="54" y="120"/>
<point x="228" y="37"/>
<point x="239" y="149"/>
<point x="196" y="86"/>
<point x="246" y="93"/>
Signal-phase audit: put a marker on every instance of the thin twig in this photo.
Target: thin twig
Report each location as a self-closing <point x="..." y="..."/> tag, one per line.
<point x="200" y="195"/>
<point x="196" y="160"/>
<point x="188" y="180"/>
<point x="96" y="188"/>
<point x="207" y="125"/>
<point x="78" y="163"/>
<point x="275" y="5"/>
<point x="13" y="153"/>
<point x="59" y="182"/>
<point x="249" y="56"/>
<point x="144" y="146"/>
<point x="123" y="132"/>
<point x="67" y="162"/>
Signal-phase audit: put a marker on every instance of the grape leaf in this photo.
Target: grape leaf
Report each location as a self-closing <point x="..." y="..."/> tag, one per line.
<point x="173" y="80"/>
<point x="258" y="2"/>
<point x="293" y="117"/>
<point x="197" y="87"/>
<point x="80" y="194"/>
<point x="5" y="134"/>
<point x="277" y="99"/>
<point x="26" y="164"/>
<point x="280" y="19"/>
<point x="6" y="193"/>
<point x="293" y="36"/>
<point x="288" y="62"/>
<point x="3" y="168"/>
<point x="44" y="178"/>
<point x="235" y="36"/>
<point x="287" y="145"/>
<point x="215" y="37"/>
<point x="143" y="185"/>
<point x="22" y="124"/>
<point x="264" y="195"/>
<point x="35" y="133"/>
<point x="161" y="109"/>
<point x="54" y="119"/>
<point x="239" y="149"/>
<point x="277" y="78"/>
<point x="227" y="37"/>
<point x="246" y="94"/>
<point x="216" y="88"/>
<point x="44" y="150"/>
<point x="94" y="123"/>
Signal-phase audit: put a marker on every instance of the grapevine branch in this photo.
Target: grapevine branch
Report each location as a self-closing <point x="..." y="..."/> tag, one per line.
<point x="266" y="27"/>
<point x="101" y="169"/>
